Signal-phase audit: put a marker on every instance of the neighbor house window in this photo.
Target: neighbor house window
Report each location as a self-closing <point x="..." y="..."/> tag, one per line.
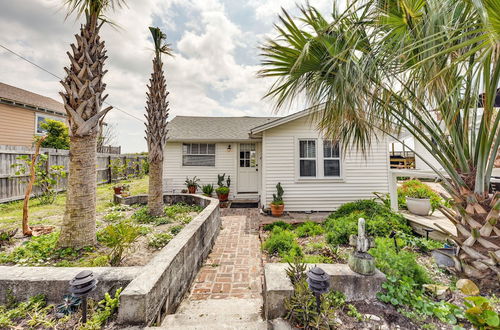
<point x="198" y="154"/>
<point x="307" y="156"/>
<point x="331" y="158"/>
<point x="40" y="119"/>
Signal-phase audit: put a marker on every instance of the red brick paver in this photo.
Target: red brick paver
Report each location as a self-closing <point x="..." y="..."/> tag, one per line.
<point x="233" y="269"/>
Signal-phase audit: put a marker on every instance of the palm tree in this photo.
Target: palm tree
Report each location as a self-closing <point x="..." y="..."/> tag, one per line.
<point x="431" y="67"/>
<point x="83" y="98"/>
<point x="156" y="126"/>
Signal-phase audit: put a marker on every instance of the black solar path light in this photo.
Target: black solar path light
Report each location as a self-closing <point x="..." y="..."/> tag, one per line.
<point x="318" y="283"/>
<point x="81" y="286"/>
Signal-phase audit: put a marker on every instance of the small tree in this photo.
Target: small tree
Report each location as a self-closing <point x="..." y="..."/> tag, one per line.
<point x="57" y="135"/>
<point x="156" y="126"/>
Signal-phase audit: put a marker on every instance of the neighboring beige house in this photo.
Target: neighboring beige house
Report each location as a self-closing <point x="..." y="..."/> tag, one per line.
<point x="22" y="112"/>
<point x="259" y="152"/>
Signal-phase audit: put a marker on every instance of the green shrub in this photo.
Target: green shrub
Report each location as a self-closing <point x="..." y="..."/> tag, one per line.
<point x="142" y="216"/>
<point x="14" y="311"/>
<point x="281" y="224"/>
<point x="380" y="221"/>
<point x="418" y="189"/>
<point x="119" y="238"/>
<point x="176" y="229"/>
<point x="481" y="314"/>
<point x="309" y="228"/>
<point x="38" y="251"/>
<point x="396" y="264"/>
<point x="281" y="242"/>
<point x="175" y="210"/>
<point x="159" y="240"/>
<point x="114" y="216"/>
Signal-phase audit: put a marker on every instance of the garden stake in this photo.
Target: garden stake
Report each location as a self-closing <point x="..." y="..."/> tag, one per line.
<point x="393" y="236"/>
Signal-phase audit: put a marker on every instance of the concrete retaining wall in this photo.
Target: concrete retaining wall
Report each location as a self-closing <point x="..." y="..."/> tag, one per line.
<point x="24" y="282"/>
<point x="356" y="287"/>
<point x="164" y="281"/>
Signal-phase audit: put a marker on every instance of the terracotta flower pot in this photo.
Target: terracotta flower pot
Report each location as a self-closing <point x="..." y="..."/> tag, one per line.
<point x="418" y="206"/>
<point x="192" y="189"/>
<point x="277" y="210"/>
<point x="223" y="197"/>
<point x="118" y="190"/>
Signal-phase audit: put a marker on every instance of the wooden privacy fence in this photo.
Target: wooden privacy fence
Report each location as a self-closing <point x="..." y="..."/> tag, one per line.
<point x="12" y="187"/>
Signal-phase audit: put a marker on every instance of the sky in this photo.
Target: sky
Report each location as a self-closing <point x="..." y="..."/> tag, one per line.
<point x="213" y="72"/>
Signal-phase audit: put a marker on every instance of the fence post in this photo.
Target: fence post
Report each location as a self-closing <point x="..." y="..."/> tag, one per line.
<point x="110" y="173"/>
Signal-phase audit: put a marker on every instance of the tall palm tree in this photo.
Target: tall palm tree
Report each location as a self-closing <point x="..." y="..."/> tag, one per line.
<point x="431" y="67"/>
<point x="83" y="98"/>
<point x="156" y="126"/>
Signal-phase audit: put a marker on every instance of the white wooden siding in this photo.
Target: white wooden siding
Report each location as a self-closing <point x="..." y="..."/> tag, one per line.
<point x="175" y="174"/>
<point x="361" y="176"/>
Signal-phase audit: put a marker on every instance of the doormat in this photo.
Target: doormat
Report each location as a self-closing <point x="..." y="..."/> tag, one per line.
<point x="236" y="205"/>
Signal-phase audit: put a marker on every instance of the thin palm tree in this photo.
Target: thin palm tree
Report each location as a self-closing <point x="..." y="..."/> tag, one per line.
<point x="83" y="98"/>
<point x="431" y="67"/>
<point x="156" y="125"/>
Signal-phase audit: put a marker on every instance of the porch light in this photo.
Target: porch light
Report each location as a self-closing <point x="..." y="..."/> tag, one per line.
<point x="81" y="286"/>
<point x="228" y="148"/>
<point x="318" y="284"/>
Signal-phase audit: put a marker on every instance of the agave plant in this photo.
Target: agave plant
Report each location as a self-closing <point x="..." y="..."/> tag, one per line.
<point x="83" y="97"/>
<point x="69" y="304"/>
<point x="156" y="126"/>
<point x="431" y="67"/>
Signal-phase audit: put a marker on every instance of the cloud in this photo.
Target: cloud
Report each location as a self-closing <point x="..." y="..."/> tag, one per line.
<point x="213" y="72"/>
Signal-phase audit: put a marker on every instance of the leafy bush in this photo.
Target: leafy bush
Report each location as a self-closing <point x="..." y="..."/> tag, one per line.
<point x="397" y="264"/>
<point x="418" y="189"/>
<point x="57" y="134"/>
<point x="119" y="238"/>
<point x="101" y="313"/>
<point x="281" y="224"/>
<point x="159" y="240"/>
<point x="142" y="216"/>
<point x="176" y="229"/>
<point x="481" y="314"/>
<point x="281" y="241"/>
<point x="309" y="228"/>
<point x="222" y="190"/>
<point x="38" y="251"/>
<point x="114" y="216"/>
<point x="380" y="221"/>
<point x="14" y="311"/>
<point x="45" y="180"/>
<point x="421" y="243"/>
<point x="181" y="208"/>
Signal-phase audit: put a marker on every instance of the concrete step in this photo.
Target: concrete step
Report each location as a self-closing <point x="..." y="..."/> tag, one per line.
<point x="216" y="314"/>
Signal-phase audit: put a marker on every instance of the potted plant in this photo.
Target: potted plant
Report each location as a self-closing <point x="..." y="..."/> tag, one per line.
<point x="120" y="188"/>
<point x="419" y="198"/>
<point x="277" y="205"/>
<point x="192" y="184"/>
<point x="223" y="189"/>
<point x="207" y="189"/>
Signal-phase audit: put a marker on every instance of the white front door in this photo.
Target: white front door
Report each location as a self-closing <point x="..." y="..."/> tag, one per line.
<point x="248" y="175"/>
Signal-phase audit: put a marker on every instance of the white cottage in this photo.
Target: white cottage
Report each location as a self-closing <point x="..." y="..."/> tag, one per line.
<point x="259" y="152"/>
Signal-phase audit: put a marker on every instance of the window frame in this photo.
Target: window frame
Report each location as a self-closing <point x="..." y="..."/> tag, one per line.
<point x="214" y="154"/>
<point x="339" y="158"/>
<point x="42" y="115"/>
<point x="309" y="158"/>
<point x="320" y="169"/>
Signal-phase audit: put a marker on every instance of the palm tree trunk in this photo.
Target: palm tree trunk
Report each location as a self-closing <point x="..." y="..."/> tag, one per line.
<point x="155" y="195"/>
<point x="78" y="229"/>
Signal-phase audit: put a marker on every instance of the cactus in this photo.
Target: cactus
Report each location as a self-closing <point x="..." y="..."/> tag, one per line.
<point x="278" y="197"/>
<point x="220" y="179"/>
<point x="228" y="181"/>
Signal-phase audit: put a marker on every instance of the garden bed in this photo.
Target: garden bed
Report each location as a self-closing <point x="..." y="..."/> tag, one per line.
<point x="127" y="236"/>
<point x="409" y="298"/>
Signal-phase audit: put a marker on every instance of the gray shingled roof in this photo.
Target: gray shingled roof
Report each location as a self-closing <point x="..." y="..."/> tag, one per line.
<point x="22" y="96"/>
<point x="189" y="128"/>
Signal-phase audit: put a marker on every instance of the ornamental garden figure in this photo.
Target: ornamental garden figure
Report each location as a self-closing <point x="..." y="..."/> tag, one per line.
<point x="360" y="261"/>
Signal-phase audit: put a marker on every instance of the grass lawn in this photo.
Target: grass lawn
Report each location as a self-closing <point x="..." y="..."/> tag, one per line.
<point x="52" y="214"/>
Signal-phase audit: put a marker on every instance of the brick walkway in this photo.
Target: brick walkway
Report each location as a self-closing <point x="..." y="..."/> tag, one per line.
<point x="234" y="267"/>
